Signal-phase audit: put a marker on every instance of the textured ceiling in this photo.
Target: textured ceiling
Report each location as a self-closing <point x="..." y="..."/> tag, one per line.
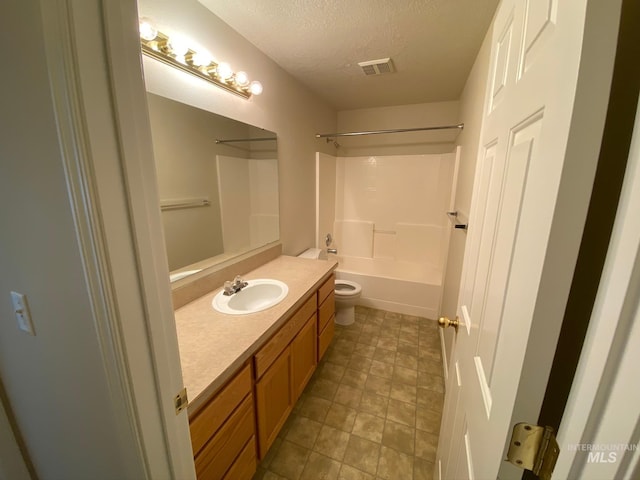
<point x="432" y="43"/>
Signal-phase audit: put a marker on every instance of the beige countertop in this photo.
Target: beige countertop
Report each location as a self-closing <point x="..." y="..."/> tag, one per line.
<point x="214" y="345"/>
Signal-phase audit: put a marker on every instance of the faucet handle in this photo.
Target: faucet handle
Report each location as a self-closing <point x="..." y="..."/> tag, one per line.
<point x="328" y="239"/>
<point x="239" y="283"/>
<point x="228" y="288"/>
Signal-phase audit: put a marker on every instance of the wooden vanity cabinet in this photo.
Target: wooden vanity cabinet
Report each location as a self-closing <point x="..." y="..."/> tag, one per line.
<point x="283" y="368"/>
<point x="223" y="432"/>
<point x="326" y="315"/>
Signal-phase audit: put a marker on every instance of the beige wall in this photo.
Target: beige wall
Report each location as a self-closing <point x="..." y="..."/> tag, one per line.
<point x="471" y="104"/>
<point x="401" y="116"/>
<point x="285" y="107"/>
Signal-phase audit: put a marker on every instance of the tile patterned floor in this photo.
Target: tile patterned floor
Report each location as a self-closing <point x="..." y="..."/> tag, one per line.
<point x="372" y="409"/>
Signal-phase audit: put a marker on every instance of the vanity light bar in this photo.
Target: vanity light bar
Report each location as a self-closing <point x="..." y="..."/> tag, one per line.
<point x="157" y="45"/>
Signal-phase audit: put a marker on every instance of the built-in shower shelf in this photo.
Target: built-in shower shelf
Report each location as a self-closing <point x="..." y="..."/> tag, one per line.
<point x="457" y="223"/>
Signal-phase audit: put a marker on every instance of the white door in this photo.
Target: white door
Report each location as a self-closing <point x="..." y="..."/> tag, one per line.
<point x="535" y="52"/>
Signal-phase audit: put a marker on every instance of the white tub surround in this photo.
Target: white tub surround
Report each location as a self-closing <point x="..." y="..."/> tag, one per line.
<point x="356" y="237"/>
<point x="391" y="229"/>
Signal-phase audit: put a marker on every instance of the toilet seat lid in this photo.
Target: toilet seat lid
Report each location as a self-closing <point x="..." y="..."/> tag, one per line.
<point x="347" y="288"/>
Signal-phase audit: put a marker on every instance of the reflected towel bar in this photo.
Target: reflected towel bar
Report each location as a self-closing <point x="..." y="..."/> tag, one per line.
<point x="188" y="203"/>
<point x="235" y="140"/>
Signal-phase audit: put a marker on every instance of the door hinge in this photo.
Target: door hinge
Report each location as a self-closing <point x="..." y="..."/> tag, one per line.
<point x="180" y="400"/>
<point x="534" y="448"/>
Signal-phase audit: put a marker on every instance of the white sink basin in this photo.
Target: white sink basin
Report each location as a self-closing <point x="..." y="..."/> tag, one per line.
<point x="258" y="295"/>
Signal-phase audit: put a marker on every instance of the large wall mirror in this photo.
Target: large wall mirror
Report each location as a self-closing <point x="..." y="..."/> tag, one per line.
<point x="217" y="182"/>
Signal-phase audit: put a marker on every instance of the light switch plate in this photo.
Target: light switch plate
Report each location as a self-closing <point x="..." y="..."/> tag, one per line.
<point x="21" y="310"/>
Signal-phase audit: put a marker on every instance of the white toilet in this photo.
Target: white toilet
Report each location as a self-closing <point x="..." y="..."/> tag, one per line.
<point x="347" y="293"/>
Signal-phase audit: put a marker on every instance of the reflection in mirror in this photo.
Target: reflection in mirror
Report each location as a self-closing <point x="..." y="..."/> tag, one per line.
<point x="217" y="182"/>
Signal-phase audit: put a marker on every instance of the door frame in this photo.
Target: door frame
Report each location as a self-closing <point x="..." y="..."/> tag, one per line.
<point x="593" y="388"/>
<point x="596" y="242"/>
<point x="96" y="81"/>
<point x="132" y="121"/>
<point x="614" y="157"/>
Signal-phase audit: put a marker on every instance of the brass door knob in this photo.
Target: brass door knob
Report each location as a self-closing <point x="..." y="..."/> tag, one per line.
<point x="445" y="322"/>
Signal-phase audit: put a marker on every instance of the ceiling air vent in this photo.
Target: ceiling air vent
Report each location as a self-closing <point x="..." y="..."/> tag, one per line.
<point x="377" y="67"/>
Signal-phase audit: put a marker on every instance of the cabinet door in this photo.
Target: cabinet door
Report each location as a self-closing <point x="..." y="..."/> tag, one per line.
<point x="274" y="346"/>
<point x="304" y="356"/>
<point x="274" y="399"/>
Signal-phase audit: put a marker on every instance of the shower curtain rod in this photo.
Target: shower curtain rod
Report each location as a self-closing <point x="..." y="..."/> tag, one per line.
<point x="234" y="140"/>
<point x="459" y="126"/>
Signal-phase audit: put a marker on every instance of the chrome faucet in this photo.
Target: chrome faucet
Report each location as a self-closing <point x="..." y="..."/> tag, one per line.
<point x="234" y="287"/>
<point x="328" y="239"/>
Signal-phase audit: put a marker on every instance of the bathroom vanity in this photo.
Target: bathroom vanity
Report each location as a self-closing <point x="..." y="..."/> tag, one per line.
<point x="244" y="373"/>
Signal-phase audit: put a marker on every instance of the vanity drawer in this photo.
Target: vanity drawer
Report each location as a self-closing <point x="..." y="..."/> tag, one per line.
<point x="246" y="464"/>
<point x="213" y="415"/>
<point x="272" y="349"/>
<point x="327" y="287"/>
<point x="326" y="311"/>
<point x="324" y="339"/>
<point x="220" y="453"/>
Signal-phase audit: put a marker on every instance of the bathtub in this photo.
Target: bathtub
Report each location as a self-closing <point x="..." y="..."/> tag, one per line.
<point x="396" y="286"/>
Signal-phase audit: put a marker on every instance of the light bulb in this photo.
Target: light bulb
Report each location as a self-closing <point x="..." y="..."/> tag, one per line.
<point x="178" y="46"/>
<point x="224" y="71"/>
<point x="147" y="31"/>
<point x="201" y="59"/>
<point x="255" y="87"/>
<point x="242" y="79"/>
